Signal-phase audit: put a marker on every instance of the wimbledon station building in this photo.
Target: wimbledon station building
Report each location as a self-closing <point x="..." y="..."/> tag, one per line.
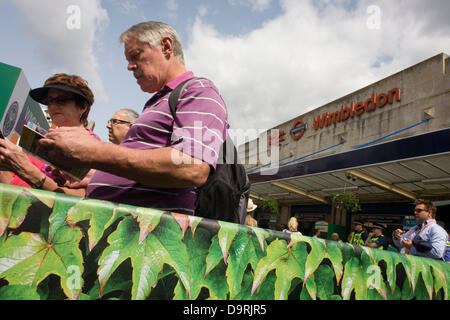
<point x="387" y="143"/>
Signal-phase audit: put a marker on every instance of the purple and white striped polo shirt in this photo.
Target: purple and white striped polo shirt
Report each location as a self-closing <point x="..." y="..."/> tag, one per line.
<point x="199" y="131"/>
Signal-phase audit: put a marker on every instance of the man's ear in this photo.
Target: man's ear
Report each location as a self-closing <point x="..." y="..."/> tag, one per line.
<point x="167" y="46"/>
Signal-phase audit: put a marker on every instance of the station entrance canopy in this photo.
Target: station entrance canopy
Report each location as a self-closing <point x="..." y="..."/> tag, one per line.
<point x="399" y="170"/>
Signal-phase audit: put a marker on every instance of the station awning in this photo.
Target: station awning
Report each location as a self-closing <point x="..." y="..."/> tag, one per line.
<point x="395" y="171"/>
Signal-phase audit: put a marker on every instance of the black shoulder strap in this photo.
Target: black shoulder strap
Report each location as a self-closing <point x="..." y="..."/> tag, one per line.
<point x="175" y="95"/>
<point x="173" y="103"/>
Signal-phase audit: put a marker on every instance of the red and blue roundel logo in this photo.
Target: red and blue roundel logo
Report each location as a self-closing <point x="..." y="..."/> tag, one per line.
<point x="298" y="129"/>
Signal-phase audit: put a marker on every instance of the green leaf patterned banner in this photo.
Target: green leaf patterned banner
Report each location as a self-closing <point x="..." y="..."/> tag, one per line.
<point x="54" y="246"/>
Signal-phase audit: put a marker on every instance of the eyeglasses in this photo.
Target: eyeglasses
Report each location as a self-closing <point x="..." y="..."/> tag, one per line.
<point x="58" y="100"/>
<point x="419" y="210"/>
<point x="116" y="121"/>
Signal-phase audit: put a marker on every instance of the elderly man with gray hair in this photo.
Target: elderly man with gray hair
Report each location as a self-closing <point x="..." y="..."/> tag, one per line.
<point x="120" y="123"/>
<point x="162" y="160"/>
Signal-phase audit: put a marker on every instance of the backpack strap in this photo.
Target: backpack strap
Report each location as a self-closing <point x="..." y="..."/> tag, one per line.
<point x="175" y="95"/>
<point x="173" y="104"/>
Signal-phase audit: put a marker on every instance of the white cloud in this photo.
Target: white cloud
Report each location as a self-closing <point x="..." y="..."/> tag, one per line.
<point x="313" y="53"/>
<point x="256" y="5"/>
<point x="260" y="5"/>
<point x="202" y="11"/>
<point x="172" y="5"/>
<point x="62" y="48"/>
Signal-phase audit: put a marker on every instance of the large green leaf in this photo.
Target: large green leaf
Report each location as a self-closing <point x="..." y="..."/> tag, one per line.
<point x="390" y="258"/>
<point x="27" y="259"/>
<point x="420" y="265"/>
<point x="13" y="209"/>
<point x="309" y="290"/>
<point x="276" y="251"/>
<point x="354" y="279"/>
<point x="215" y="255"/>
<point x="422" y="292"/>
<point x="148" y="220"/>
<point x="147" y="258"/>
<point x="197" y="249"/>
<point x="226" y="235"/>
<point x="119" y="283"/>
<point x="187" y="221"/>
<point x="47" y="198"/>
<point x="265" y="290"/>
<point x="288" y="263"/>
<point x="262" y="235"/>
<point x="217" y="283"/>
<point x="243" y="251"/>
<point x="101" y="215"/>
<point x="440" y="277"/>
<point x="58" y="216"/>
<point x="315" y="256"/>
<point x="19" y="292"/>
<point x="407" y="292"/>
<point x="334" y="253"/>
<point x="375" y="285"/>
<point x="364" y="278"/>
<point x="324" y="280"/>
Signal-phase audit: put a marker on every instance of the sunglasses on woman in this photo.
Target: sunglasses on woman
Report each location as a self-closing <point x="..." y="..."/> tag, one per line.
<point x="58" y="100"/>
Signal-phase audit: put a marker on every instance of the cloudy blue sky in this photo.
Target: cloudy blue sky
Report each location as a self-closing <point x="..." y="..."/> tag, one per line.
<point x="271" y="60"/>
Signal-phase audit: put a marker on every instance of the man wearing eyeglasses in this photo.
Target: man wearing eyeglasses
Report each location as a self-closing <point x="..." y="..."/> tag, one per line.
<point x="120" y="123"/>
<point x="427" y="238"/>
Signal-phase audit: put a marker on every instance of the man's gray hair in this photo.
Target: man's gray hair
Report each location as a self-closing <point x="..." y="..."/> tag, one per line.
<point x="152" y="32"/>
<point x="130" y="115"/>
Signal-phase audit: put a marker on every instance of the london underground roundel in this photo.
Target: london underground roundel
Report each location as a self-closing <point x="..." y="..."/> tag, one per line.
<point x="298" y="129"/>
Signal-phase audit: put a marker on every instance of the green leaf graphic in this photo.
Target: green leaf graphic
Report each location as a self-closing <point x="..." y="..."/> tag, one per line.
<point x="242" y="252"/>
<point x="89" y="249"/>
<point x="147" y="258"/>
<point x="27" y="259"/>
<point x="324" y="280"/>
<point x="215" y="255"/>
<point x="226" y="235"/>
<point x="13" y="209"/>
<point x="101" y="215"/>
<point x="287" y="263"/>
<point x="354" y="279"/>
<point x="19" y="292"/>
<point x="317" y="254"/>
<point x="148" y="220"/>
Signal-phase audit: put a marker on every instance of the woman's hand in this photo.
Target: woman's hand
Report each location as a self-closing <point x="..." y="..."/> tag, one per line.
<point x="13" y="158"/>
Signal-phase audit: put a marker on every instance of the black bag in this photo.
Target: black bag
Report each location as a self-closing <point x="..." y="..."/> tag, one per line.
<point x="225" y="194"/>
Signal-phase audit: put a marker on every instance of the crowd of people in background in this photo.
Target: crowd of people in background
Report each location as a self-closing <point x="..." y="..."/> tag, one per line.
<point x="426" y="239"/>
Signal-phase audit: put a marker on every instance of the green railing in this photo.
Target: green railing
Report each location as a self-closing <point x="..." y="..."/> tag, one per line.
<point x="54" y="246"/>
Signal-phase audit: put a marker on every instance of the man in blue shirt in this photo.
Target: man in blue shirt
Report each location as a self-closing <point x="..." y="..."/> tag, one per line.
<point x="447" y="250"/>
<point x="427" y="239"/>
